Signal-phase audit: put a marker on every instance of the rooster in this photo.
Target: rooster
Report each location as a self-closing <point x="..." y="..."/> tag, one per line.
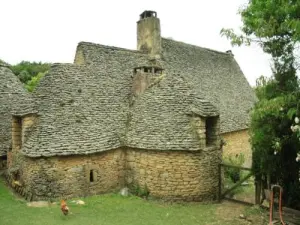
<point x="64" y="208"/>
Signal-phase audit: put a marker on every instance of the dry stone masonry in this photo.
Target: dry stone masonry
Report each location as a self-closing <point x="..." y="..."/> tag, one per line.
<point x="116" y="118"/>
<point x="13" y="100"/>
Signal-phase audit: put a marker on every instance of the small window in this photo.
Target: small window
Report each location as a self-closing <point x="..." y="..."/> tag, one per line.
<point x="211" y="127"/>
<point x="4" y="157"/>
<point x="91" y="176"/>
<point x="16" y="175"/>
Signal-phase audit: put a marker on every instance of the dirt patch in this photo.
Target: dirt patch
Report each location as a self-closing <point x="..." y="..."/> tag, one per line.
<point x="38" y="204"/>
<point x="241" y="214"/>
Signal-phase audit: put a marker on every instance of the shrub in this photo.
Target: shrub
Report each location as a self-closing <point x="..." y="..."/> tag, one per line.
<point x="139" y="191"/>
<point x="234" y="174"/>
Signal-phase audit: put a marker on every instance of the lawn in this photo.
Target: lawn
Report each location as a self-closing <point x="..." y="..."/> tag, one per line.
<point x="113" y="209"/>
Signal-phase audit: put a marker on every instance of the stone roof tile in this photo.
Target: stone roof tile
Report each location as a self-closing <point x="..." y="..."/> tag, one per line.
<point x="15" y="100"/>
<point x="90" y="108"/>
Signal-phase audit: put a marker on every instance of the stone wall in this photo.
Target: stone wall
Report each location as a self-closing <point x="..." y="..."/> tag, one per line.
<point x="73" y="176"/>
<point x="79" y="57"/>
<point x="175" y="175"/>
<point x="13" y="156"/>
<point x="28" y="121"/>
<point x="169" y="175"/>
<point x="9" y="159"/>
<point x="20" y="129"/>
<point x="238" y="142"/>
<point x="16" y="133"/>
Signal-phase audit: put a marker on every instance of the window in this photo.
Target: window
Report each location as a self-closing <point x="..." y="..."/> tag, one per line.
<point x="3" y="161"/>
<point x="16" y="175"/>
<point x="91" y="176"/>
<point x="211" y="127"/>
<point x="4" y="157"/>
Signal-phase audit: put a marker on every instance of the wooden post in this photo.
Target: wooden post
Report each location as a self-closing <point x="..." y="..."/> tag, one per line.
<point x="257" y="192"/>
<point x="220" y="183"/>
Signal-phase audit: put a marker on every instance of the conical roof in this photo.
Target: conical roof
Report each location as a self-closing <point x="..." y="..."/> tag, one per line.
<point x="14" y="100"/>
<point x="3" y="64"/>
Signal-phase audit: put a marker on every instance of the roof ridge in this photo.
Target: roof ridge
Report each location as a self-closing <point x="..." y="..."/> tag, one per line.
<point x="196" y="46"/>
<point x="4" y="64"/>
<point x="108" y="47"/>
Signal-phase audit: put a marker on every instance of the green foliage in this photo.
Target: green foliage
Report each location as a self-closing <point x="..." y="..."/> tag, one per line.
<point x="234" y="174"/>
<point x="31" y="84"/>
<point x="30" y="73"/>
<point x="264" y="18"/>
<point x="274" y="25"/>
<point x="266" y="88"/>
<point x="114" y="210"/>
<point x="26" y="70"/>
<point x="139" y="191"/>
<point x="271" y="122"/>
<point x="267" y="20"/>
<point x="275" y="144"/>
<point x="293" y="191"/>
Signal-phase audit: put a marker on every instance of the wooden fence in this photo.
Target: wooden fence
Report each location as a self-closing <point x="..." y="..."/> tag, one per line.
<point x="226" y="192"/>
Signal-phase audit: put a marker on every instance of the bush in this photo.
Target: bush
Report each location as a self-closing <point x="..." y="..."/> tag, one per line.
<point x="31" y="84"/>
<point x="275" y="139"/>
<point x="26" y="70"/>
<point x="139" y="191"/>
<point x="234" y="174"/>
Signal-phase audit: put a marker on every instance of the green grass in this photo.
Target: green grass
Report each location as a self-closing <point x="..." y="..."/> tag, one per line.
<point x="114" y="209"/>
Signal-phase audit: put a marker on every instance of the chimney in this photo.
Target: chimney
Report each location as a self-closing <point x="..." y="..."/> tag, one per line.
<point x="229" y="52"/>
<point x="148" y="33"/>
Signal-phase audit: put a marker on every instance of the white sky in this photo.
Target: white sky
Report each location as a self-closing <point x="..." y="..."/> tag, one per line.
<point x="49" y="30"/>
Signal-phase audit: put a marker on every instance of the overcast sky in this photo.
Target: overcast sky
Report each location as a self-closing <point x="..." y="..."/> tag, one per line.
<point x="49" y="30"/>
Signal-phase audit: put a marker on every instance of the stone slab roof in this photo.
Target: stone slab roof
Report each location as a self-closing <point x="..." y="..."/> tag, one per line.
<point x="81" y="111"/>
<point x="3" y="64"/>
<point x="15" y="100"/>
<point x="161" y="117"/>
<point x="217" y="75"/>
<point x="88" y="108"/>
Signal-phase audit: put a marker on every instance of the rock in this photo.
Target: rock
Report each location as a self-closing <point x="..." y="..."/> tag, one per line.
<point x="80" y="202"/>
<point x="124" y="191"/>
<point x="242" y="216"/>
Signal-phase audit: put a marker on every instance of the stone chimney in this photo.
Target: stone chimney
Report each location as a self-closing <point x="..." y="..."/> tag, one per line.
<point x="148" y="33"/>
<point x="229" y="52"/>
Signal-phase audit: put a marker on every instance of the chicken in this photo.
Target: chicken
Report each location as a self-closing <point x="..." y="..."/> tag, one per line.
<point x="64" y="208"/>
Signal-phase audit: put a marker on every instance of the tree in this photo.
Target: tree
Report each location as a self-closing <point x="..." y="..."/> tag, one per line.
<point x="275" y="132"/>
<point x="30" y="73"/>
<point x="31" y="84"/>
<point x="26" y="70"/>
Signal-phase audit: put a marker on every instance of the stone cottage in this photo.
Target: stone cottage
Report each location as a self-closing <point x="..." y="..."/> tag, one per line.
<point x="13" y="100"/>
<point x="150" y="117"/>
